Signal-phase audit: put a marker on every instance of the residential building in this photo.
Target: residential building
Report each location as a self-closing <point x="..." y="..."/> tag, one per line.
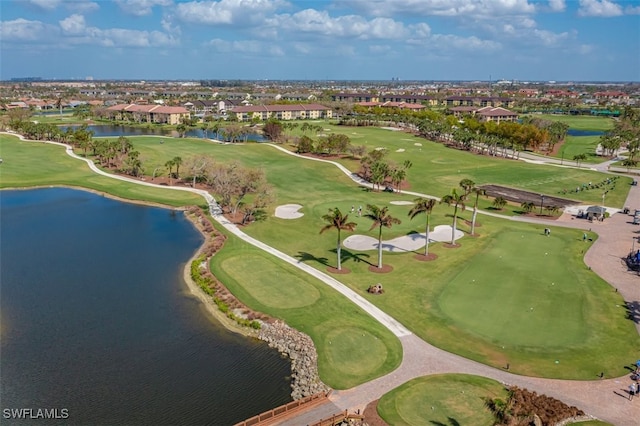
<point x="282" y="112"/>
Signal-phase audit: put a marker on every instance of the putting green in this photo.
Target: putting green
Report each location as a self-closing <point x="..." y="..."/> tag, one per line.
<point x="278" y="288"/>
<point x="353" y="351"/>
<point x="526" y="303"/>
<point x="455" y="399"/>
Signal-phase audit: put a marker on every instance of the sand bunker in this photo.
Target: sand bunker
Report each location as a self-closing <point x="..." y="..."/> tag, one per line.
<point x="400" y="150"/>
<point x="401" y="203"/>
<point x="289" y="211"/>
<point x="411" y="242"/>
<point x="417" y="144"/>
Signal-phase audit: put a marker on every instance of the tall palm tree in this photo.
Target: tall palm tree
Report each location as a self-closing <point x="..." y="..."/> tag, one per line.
<point x="478" y="192"/>
<point x="423" y="205"/>
<point x="336" y="220"/>
<point x="380" y="218"/>
<point x="169" y="165"/>
<point x="458" y="202"/>
<point x="177" y="161"/>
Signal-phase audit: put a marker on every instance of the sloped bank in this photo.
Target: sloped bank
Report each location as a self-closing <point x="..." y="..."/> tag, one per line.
<point x="237" y="317"/>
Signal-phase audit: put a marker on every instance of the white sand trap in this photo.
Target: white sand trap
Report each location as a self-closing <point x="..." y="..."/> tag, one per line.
<point x="417" y="144"/>
<point x="380" y="148"/>
<point x="401" y="203"/>
<point x="400" y="150"/>
<point x="412" y="242"/>
<point x="395" y="129"/>
<point x="289" y="211"/>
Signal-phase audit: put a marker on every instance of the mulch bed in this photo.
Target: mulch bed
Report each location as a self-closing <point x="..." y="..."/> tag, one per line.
<point x="371" y="416"/>
<point x="384" y="270"/>
<point x="427" y="258"/>
<point x="449" y="245"/>
<point x="333" y="270"/>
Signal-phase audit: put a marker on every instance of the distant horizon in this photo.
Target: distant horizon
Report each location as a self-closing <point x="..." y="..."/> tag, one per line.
<point x="322" y="40"/>
<point x="249" y="80"/>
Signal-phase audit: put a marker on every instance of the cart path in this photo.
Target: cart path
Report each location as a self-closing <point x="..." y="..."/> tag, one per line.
<point x="604" y="399"/>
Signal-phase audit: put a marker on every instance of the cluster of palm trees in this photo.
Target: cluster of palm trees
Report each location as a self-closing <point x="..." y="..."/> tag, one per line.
<point x="380" y="216"/>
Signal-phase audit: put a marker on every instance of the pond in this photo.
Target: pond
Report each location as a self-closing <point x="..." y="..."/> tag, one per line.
<point x="96" y="319"/>
<point x="105" y="130"/>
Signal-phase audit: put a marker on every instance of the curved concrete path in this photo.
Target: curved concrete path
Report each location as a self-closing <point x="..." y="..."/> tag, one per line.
<point x="604" y="399"/>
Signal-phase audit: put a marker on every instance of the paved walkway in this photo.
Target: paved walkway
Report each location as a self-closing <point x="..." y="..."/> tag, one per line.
<point x="604" y="399"/>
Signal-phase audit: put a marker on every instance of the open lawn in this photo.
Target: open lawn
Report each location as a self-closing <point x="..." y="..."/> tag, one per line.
<point x="536" y="306"/>
<point x="575" y="145"/>
<point x="436" y="169"/>
<point x="352" y="347"/>
<point x="580" y="122"/>
<point x="447" y="399"/>
<point x="29" y="164"/>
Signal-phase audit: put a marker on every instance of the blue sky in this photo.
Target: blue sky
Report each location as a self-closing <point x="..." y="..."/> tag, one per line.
<point x="527" y="40"/>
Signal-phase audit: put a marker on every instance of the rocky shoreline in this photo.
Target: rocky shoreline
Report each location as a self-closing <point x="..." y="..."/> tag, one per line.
<point x="297" y="346"/>
<point x="304" y="359"/>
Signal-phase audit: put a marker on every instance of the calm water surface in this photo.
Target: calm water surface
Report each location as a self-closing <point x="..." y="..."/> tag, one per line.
<point x="104" y="130"/>
<point x="95" y="318"/>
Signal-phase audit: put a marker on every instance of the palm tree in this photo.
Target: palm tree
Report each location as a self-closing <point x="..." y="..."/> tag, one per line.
<point x="176" y="162"/>
<point x="380" y="218"/>
<point x="169" y="165"/>
<point x="578" y="158"/>
<point x="458" y="202"/>
<point x="336" y="220"/>
<point x="499" y="203"/>
<point x="528" y="206"/>
<point x="423" y="205"/>
<point x="478" y="192"/>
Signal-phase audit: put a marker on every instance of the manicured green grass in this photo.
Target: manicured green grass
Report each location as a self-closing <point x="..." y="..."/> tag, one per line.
<point x="591" y="333"/>
<point x="476" y="300"/>
<point x="575" y="145"/>
<point x="435" y="171"/>
<point x="352" y="347"/>
<point x="447" y="399"/>
<point x="580" y="122"/>
<point x="29" y="164"/>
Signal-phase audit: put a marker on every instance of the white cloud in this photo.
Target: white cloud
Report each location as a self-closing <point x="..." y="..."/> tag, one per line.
<point x="76" y="31"/>
<point x="557" y="5"/>
<point x="473" y="43"/>
<point x="77" y="5"/>
<point x="311" y="21"/>
<point x="245" y="46"/>
<point x="453" y="8"/>
<point x="599" y="8"/>
<point x="226" y="11"/>
<point x="24" y="30"/>
<point x="141" y="7"/>
<point x="73" y="25"/>
<point x="46" y="4"/>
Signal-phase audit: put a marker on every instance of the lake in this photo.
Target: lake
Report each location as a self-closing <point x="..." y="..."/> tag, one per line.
<point x="105" y="130"/>
<point x="576" y="132"/>
<point x="96" y="319"/>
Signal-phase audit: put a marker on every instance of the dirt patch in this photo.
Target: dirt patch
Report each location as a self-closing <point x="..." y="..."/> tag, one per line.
<point x="384" y="270"/>
<point x="371" y="416"/>
<point x="333" y="270"/>
<point x="452" y="246"/>
<point x="427" y="258"/>
<point x="519" y="196"/>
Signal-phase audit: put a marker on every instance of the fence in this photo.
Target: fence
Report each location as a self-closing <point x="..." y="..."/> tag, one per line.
<point x="274" y="414"/>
